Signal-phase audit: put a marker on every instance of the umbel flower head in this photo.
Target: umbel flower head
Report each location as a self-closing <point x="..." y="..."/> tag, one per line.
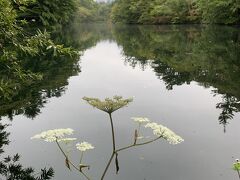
<point x="53" y="135"/>
<point x="108" y="105"/>
<point x="84" y="146"/>
<point x="160" y="130"/>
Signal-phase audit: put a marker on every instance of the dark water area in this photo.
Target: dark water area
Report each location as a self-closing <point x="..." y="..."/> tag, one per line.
<point x="184" y="77"/>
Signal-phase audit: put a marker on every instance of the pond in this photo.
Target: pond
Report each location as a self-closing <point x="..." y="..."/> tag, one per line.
<point x="184" y="77"/>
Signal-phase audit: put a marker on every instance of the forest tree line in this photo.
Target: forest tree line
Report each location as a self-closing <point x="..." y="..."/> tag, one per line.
<point x="131" y="11"/>
<point x="176" y="11"/>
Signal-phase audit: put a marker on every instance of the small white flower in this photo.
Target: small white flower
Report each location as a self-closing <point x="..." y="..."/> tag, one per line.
<point x="84" y="146"/>
<point x="67" y="140"/>
<point x="160" y="130"/>
<point x="140" y="120"/>
<point x="53" y="135"/>
<point x="152" y="125"/>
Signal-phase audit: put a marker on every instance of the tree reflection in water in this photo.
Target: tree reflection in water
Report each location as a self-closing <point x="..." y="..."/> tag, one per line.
<point x="183" y="54"/>
<point x="179" y="55"/>
<point x="30" y="99"/>
<point x="12" y="169"/>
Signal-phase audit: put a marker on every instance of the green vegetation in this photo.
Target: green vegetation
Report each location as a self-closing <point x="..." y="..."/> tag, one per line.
<point x="45" y="12"/>
<point x="30" y="98"/>
<point x="59" y="12"/>
<point x="220" y="11"/>
<point x="176" y="11"/>
<point x="20" y="47"/>
<point x="27" y="50"/>
<point x="236" y="167"/>
<point x="91" y="11"/>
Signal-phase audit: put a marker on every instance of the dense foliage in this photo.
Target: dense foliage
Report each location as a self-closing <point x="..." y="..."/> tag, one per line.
<point x="45" y="12"/>
<point x="18" y="46"/>
<point x="176" y="11"/>
<point x="26" y="52"/>
<point x="220" y="11"/>
<point x="90" y="10"/>
<point x="55" y="72"/>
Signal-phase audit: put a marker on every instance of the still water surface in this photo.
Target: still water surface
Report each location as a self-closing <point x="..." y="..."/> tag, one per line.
<point x="184" y="77"/>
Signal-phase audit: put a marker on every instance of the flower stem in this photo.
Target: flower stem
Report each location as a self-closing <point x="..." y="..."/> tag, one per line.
<point x="108" y="164"/>
<point x="73" y="165"/>
<point x="238" y="174"/>
<point x="80" y="162"/>
<point x="113" y="134"/>
<point x="124" y="148"/>
<point x="137" y="144"/>
<point x="113" y="148"/>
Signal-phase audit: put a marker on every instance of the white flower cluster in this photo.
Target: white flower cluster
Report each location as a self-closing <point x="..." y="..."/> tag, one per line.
<point x="67" y="140"/>
<point x="84" y="146"/>
<point x="160" y="130"/>
<point x="55" y="134"/>
<point x="140" y="120"/>
<point x="108" y="105"/>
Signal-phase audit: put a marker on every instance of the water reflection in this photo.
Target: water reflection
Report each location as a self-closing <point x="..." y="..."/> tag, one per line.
<point x="83" y="36"/>
<point x="228" y="106"/>
<point x="182" y="54"/>
<point x="29" y="100"/>
<point x="12" y="169"/>
<point x="177" y="54"/>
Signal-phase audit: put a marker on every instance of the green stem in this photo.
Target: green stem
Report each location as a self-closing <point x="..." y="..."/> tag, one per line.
<point x="137" y="144"/>
<point x="81" y="158"/>
<point x="114" y="151"/>
<point x="124" y="148"/>
<point x="238" y="174"/>
<point x="113" y="148"/>
<point x="73" y="165"/>
<point x="108" y="164"/>
<point x="113" y="135"/>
